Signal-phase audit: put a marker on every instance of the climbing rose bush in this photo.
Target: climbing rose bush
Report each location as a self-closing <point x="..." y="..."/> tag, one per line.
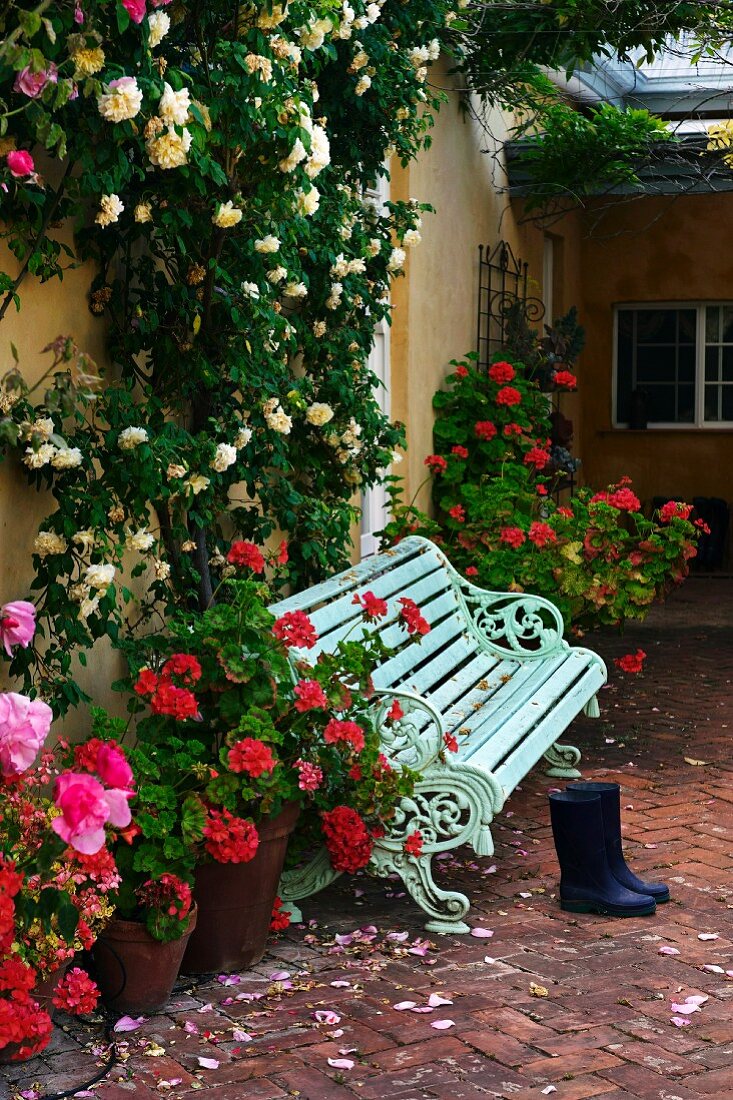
<point x="216" y="164"/>
<point x="596" y="556"/>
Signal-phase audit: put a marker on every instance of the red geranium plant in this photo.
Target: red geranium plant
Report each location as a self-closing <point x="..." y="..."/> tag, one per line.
<point x="228" y="733"/>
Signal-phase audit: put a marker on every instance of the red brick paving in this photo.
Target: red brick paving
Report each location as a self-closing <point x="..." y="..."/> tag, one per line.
<point x="604" y="1027"/>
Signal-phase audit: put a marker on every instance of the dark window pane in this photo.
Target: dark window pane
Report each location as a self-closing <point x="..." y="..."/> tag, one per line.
<point x="661" y="403"/>
<point x="686" y="404"/>
<point x="657" y="326"/>
<point x="727" y="403"/>
<point x="712" y="356"/>
<point x="687" y="325"/>
<point x="686" y="365"/>
<point x="655" y="364"/>
<point x="727" y="364"/>
<point x="624" y="365"/>
<point x="712" y="324"/>
<point x="711" y="402"/>
<point x="727" y="334"/>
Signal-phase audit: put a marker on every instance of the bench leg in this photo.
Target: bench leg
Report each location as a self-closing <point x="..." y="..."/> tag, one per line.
<point x="562" y="760"/>
<point x="303" y="882"/>
<point x="445" y="908"/>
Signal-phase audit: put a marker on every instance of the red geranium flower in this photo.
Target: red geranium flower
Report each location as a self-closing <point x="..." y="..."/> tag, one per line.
<point x="372" y="606"/>
<point x="631" y="662"/>
<point x="413" y="844"/>
<point x="484" y="429"/>
<point x="461" y="371"/>
<point x="295" y="629"/>
<point x="508" y="396"/>
<point x="512" y="429"/>
<point x="311" y="696"/>
<point x="412" y="617"/>
<point x="347" y="839"/>
<point x="395" y="712"/>
<point x="501" y="373"/>
<point x="175" y="702"/>
<point x="451" y="742"/>
<point x="338" y="730"/>
<point x="458" y="513"/>
<point x="459" y="451"/>
<point x="436" y="464"/>
<point x="230" y="839"/>
<point x="537" y="457"/>
<point x="246" y="554"/>
<point x="76" y="993"/>
<point x="183" y="665"/>
<point x="566" y="379"/>
<point x="512" y="536"/>
<point x="541" y="534"/>
<point x="674" y="509"/>
<point x="280" y="918"/>
<point x="471" y="571"/>
<point x="251" y="756"/>
<point x="147" y="681"/>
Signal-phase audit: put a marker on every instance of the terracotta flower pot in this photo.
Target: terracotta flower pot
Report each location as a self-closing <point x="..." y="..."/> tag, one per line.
<point x="235" y="903"/>
<point x="136" y="973"/>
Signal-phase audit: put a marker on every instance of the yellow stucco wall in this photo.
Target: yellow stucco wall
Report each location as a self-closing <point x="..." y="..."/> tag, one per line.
<point x="435" y="306"/>
<point x="652" y="249"/>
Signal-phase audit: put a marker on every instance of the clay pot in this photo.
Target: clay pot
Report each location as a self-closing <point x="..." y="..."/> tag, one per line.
<point x="136" y="973"/>
<point x="235" y="903"/>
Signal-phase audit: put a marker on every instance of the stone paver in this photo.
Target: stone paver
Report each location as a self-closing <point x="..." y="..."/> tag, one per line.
<point x="603" y="1029"/>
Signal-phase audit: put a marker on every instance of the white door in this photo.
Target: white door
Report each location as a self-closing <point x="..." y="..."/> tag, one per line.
<point x="374" y="502"/>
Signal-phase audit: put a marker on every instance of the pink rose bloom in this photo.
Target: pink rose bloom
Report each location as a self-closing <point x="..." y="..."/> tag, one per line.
<point x="85" y="809"/>
<point x="32" y="84"/>
<point x="24" y="726"/>
<point x="135" y="9"/>
<point x="17" y="623"/>
<point x="161" y="3"/>
<point x="112" y="767"/>
<point x="20" y="163"/>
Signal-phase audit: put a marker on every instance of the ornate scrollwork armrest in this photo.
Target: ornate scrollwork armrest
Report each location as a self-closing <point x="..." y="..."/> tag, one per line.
<point x="409" y="742"/>
<point x="512" y="623"/>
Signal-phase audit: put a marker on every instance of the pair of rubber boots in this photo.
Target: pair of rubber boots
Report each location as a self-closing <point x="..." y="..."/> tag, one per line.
<point x="594" y="877"/>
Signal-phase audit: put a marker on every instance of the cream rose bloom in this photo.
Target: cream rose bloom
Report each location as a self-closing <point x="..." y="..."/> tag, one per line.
<point x="267" y="244"/>
<point x="319" y="413"/>
<point x="98" y="576"/>
<point x="411" y="238"/>
<point x="130" y="438"/>
<point x="67" y="458"/>
<point x="307" y="202"/>
<point x="294" y="157"/>
<point x="48" y="542"/>
<point x="225" y="456"/>
<point x="36" y="460"/>
<point x="174" y="107"/>
<point x="320" y="154"/>
<point x="110" y="208"/>
<point x="159" y="24"/>
<point x="227" y="215"/>
<point x="84" y="540"/>
<point x="174" y="470"/>
<point x="169" y="150"/>
<point x="143" y="212"/>
<point x="279" y="420"/>
<point x="243" y="437"/>
<point x="121" y="101"/>
<point x="267" y="20"/>
<point x="362" y="85"/>
<point x="197" y="483"/>
<point x="295" y="290"/>
<point x="397" y="259"/>
<point x="141" y="540"/>
<point x="88" y="62"/>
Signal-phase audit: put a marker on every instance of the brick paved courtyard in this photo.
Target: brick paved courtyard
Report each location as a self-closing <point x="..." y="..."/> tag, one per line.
<point x="546" y="1006"/>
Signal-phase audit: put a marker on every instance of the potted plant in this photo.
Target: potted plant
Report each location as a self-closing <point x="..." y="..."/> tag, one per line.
<point x="233" y="747"/>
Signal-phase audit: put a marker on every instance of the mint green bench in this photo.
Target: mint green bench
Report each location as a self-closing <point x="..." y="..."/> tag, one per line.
<point x="494" y="671"/>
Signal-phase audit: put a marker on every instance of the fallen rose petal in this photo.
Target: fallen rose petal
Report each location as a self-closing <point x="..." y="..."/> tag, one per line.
<point x="280" y="976"/>
<point x="482" y="933"/>
<point x="246" y="997"/>
<point x="341" y="1063"/>
<point x="128" y="1023"/>
<point x="525" y="894"/>
<point x="206" y="1008"/>
<point x="344" y="941"/>
<point x="697" y="999"/>
<point x="398" y="937"/>
<point x="326" y="1016"/>
<point x="207" y="1063"/>
<point x="685" y="1009"/>
<point x="422" y="1009"/>
<point x="341" y="985"/>
<point x="436" y="999"/>
<point x="550" y="1089"/>
<point x="680" y="1021"/>
<point x="708" y="936"/>
<point x="668" y="951"/>
<point x="443" y="1025"/>
<point x="403" y="1006"/>
<point x="229" y="979"/>
<point x="191" y="1028"/>
<point x="240" y="1036"/>
<point x="714" y="969"/>
<point x="335" y="1034"/>
<point x="489" y="959"/>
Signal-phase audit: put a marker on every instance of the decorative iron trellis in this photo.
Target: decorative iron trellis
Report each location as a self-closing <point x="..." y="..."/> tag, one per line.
<point x="502" y="298"/>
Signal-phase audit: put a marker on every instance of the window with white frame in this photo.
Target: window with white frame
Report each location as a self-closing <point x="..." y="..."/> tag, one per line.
<point x="680" y="356"/>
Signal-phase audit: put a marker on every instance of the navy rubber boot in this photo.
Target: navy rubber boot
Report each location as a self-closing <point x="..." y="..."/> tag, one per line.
<point x="610" y="795"/>
<point x="586" y="882"/>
